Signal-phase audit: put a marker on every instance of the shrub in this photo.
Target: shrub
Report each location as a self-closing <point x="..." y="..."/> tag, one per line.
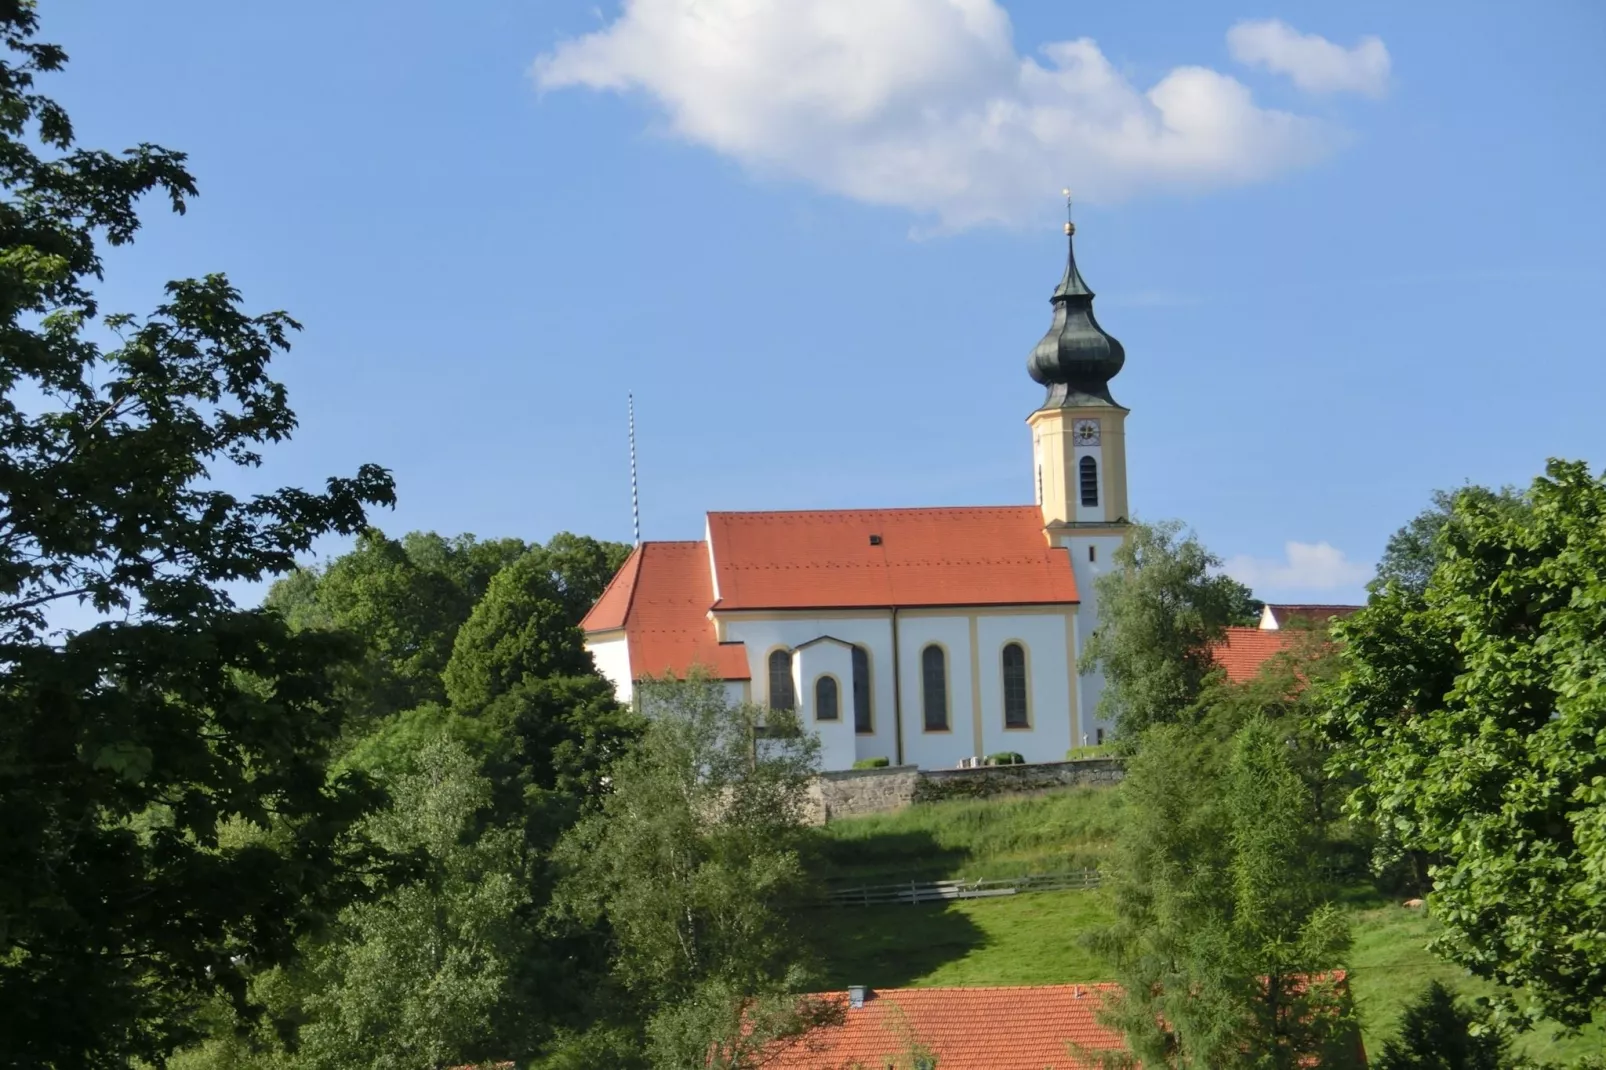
<point x="1436" y="1033"/>
<point x="1103" y="750"/>
<point x="1005" y="757"/>
<point x="872" y="763"/>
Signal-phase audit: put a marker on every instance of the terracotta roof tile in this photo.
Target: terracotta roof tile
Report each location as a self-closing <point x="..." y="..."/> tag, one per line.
<point x="989" y="555"/>
<point x="611" y="609"/>
<point x="1245" y="650"/>
<point x="661" y="597"/>
<point x="1015" y="1028"/>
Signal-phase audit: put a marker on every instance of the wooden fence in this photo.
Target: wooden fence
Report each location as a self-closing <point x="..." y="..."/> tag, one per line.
<point x="913" y="892"/>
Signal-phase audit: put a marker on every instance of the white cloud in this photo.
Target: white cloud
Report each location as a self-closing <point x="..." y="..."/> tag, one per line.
<point x="1305" y="567"/>
<point x="1315" y="64"/>
<point x="926" y="105"/>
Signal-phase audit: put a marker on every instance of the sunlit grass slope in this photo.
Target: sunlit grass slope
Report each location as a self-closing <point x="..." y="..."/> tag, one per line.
<point x="1040" y="938"/>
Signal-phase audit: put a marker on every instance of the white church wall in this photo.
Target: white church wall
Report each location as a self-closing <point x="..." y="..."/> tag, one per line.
<point x="613" y="662"/>
<point x="872" y="631"/>
<point x="936" y="749"/>
<point x="973" y="730"/>
<point x="838" y="746"/>
<point x="1050" y="696"/>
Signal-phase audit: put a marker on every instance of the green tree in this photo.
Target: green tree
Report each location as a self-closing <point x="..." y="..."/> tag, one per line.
<point x="1474" y="713"/>
<point x="1436" y="1034"/>
<point x="1412" y="552"/>
<point x="128" y="747"/>
<point x="418" y="978"/>
<point x="695" y="864"/>
<point x="407" y="617"/>
<point x="1159" y="612"/>
<point x="527" y="624"/>
<point x="405" y="601"/>
<point x="1225" y="937"/>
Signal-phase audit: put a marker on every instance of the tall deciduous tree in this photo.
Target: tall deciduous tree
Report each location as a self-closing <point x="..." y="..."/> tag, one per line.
<point x="1475" y="714"/>
<point x="1225" y="939"/>
<point x="1159" y="612"/>
<point x="1413" y="551"/>
<point x="694" y="862"/>
<point x="420" y="976"/>
<point x="126" y="746"/>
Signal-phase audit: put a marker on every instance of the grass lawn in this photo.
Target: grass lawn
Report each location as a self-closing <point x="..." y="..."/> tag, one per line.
<point x="1038" y="938"/>
<point x="1389" y="964"/>
<point x="975" y="838"/>
<point x="1015" y="940"/>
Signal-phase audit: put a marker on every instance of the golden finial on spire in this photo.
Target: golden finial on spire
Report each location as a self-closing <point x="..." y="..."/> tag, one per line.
<point x="1070" y="227"/>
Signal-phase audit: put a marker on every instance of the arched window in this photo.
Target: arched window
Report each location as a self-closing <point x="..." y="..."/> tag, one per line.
<point x="1015" y="686"/>
<point x="826" y="707"/>
<point x="782" y="697"/>
<point x="934" y="687"/>
<point x="1089" y="470"/>
<point x="861" y="691"/>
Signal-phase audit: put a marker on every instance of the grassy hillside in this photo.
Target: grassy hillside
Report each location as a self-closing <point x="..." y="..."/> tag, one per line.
<point x="975" y="838"/>
<point x="1039" y="939"/>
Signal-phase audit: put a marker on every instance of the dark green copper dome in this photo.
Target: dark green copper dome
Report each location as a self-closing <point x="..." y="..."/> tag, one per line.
<point x="1076" y="358"/>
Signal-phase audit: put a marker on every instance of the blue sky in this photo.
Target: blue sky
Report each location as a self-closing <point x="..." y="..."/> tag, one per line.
<point x="817" y="238"/>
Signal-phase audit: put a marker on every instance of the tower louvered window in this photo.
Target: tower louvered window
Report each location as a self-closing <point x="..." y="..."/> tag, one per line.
<point x="1014" y="686"/>
<point x="861" y="690"/>
<point x="1088" y="470"/>
<point x="782" y="696"/>
<point x="934" y="688"/>
<point x="826" y="704"/>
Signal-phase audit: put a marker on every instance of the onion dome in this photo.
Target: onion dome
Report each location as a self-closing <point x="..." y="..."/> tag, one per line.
<point x="1076" y="358"/>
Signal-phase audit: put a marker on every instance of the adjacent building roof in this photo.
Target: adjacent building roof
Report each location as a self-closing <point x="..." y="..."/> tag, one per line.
<point x="861" y="558"/>
<point x="1245" y="650"/>
<point x="660" y="599"/>
<point x="1016" y="1028"/>
<point x="1274" y="617"/>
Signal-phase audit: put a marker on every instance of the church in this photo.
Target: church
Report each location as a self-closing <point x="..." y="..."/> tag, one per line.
<point x="928" y="637"/>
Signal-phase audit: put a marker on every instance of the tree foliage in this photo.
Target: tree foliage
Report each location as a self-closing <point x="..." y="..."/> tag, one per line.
<point x="1225" y="939"/>
<point x="1436" y="1034"/>
<point x="128" y="747"/>
<point x="1412" y="552"/>
<point x="1159" y="612"/>
<point x="694" y="862"/>
<point x="419" y="976"/>
<point x="1474" y="714"/>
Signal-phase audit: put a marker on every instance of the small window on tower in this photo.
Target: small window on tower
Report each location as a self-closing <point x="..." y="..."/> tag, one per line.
<point x="1100" y="737"/>
<point x="1092" y="553"/>
<point x="1089" y="470"/>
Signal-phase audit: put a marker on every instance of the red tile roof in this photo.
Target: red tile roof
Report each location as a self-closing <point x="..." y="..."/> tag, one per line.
<point x="614" y="606"/>
<point x="989" y="555"/>
<point x="660" y="597"/>
<point x="1016" y="1028"/>
<point x="1318" y="614"/>
<point x="1245" y="650"/>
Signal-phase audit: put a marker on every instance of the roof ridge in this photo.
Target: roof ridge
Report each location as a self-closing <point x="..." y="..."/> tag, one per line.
<point x="869" y="509"/>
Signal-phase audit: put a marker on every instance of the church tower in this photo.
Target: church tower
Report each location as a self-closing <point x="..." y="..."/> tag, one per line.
<point x="1079" y="458"/>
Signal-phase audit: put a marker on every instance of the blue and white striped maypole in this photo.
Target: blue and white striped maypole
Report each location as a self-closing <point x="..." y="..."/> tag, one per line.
<point x="635" y="505"/>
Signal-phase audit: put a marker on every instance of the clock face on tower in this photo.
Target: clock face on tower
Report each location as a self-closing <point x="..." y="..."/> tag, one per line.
<point x="1085" y="432"/>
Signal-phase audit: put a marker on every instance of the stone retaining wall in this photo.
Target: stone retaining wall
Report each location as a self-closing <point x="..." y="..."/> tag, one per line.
<point x="879" y="791"/>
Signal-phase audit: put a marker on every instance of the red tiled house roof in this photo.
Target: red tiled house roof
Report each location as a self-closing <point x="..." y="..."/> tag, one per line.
<point x="1015" y="1028"/>
<point x="989" y="555"/>
<point x="839" y="559"/>
<point x="1245" y="650"/>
